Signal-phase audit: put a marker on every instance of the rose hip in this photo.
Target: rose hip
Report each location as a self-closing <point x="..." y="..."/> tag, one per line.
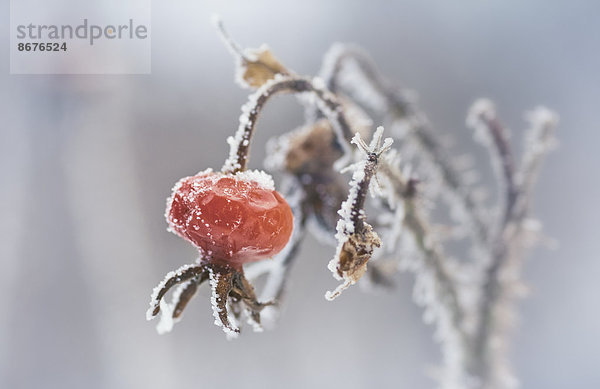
<point x="231" y="218"/>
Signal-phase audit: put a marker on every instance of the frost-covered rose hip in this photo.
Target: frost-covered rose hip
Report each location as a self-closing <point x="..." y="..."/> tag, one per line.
<point x="231" y="218"/>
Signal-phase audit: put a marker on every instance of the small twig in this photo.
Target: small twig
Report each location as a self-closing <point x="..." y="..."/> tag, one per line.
<point x="539" y="140"/>
<point x="492" y="134"/>
<point x="339" y="54"/>
<point x="494" y="288"/>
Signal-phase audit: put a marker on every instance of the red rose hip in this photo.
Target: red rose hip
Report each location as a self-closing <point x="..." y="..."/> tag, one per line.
<point x="231" y="218"/>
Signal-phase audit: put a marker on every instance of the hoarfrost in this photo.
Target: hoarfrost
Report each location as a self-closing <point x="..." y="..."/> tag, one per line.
<point x="219" y="307"/>
<point x="156" y="297"/>
<point x="166" y="318"/>
<point x="243" y="133"/>
<point x="262" y="178"/>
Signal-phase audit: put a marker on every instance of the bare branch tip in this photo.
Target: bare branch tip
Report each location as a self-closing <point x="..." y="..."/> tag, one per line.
<point x="231" y="45"/>
<point x="481" y="110"/>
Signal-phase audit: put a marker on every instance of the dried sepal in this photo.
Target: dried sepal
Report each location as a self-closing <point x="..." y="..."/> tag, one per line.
<point x="183" y="274"/>
<point x="221" y="283"/>
<point x="356" y="238"/>
<point x="233" y="294"/>
<point x="184" y="294"/>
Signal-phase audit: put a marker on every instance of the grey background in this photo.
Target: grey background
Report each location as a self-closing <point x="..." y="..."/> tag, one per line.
<point x="86" y="163"/>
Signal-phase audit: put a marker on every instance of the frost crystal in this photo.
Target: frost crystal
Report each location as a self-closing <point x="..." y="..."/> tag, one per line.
<point x="260" y="177"/>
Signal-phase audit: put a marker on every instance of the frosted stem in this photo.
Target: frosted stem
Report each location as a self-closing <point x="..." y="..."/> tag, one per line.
<point x="492" y="134"/>
<point x="240" y="143"/>
<point x="539" y="140"/>
<point x="496" y="289"/>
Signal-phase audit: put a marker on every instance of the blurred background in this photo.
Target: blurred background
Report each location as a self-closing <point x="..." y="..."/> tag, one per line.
<point x="86" y="163"/>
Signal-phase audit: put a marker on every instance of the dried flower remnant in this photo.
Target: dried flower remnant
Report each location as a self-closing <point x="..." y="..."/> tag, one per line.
<point x="356" y="237"/>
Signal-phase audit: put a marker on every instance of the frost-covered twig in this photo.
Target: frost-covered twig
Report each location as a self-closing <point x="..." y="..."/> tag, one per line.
<point x="403" y="111"/>
<point x="492" y="134"/>
<point x="240" y="143"/>
<point x="184" y="273"/>
<point x="504" y="268"/>
<point x="340" y="54"/>
<point x="356" y="238"/>
<point x="539" y="140"/>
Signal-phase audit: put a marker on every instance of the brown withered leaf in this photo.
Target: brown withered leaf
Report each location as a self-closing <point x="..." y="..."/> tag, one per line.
<point x="350" y="263"/>
<point x="312" y="149"/>
<point x="258" y="66"/>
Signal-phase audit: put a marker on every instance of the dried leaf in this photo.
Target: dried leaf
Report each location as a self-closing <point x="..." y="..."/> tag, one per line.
<point x="312" y="149"/>
<point x="350" y="262"/>
<point x="257" y="66"/>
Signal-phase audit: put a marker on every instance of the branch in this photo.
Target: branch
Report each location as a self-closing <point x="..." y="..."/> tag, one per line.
<point x="495" y="289"/>
<point x="539" y="140"/>
<point x="240" y="143"/>
<point x="401" y="108"/>
<point x="493" y="135"/>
